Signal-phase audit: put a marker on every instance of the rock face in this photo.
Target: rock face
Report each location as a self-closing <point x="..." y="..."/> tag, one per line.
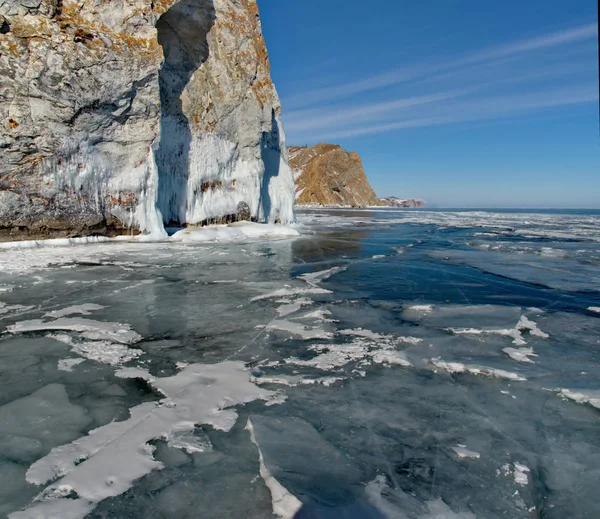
<point x="125" y="115"/>
<point x="325" y="174"/>
<point x="393" y="201"/>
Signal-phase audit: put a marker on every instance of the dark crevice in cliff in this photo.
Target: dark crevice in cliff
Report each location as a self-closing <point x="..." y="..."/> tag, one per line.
<point x="182" y="33"/>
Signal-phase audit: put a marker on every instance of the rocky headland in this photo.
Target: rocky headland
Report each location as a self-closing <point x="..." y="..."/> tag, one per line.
<point x="326" y="174"/>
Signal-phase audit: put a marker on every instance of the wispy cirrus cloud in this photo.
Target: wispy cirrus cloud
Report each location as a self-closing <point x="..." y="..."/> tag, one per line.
<point x="301" y="121"/>
<point x="493" y="83"/>
<point x="485" y="108"/>
<point x="580" y="33"/>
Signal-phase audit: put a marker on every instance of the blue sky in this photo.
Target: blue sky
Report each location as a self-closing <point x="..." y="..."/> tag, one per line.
<point x="459" y="102"/>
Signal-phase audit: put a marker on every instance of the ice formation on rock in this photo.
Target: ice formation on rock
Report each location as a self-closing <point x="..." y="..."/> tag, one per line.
<point x="175" y="119"/>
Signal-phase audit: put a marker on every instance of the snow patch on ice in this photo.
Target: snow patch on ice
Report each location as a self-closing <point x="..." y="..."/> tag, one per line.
<point x="305" y="332"/>
<point x="425" y="309"/>
<point x="367" y="347"/>
<point x="5" y="309"/>
<point x="314" y="278"/>
<point x="68" y="364"/>
<point x="285" y="504"/>
<point x="288" y="292"/>
<point x="237" y="231"/>
<point x="107" y="461"/>
<point x="359" y="332"/>
<point x="320" y="314"/>
<point x="518" y="470"/>
<point x="520" y="354"/>
<point x="524" y="324"/>
<point x="591" y="397"/>
<point x="295" y="380"/>
<point x="90" y="329"/>
<point x="457" y="367"/>
<point x="462" y="452"/>
<point x="391" y="357"/>
<point x="105" y="352"/>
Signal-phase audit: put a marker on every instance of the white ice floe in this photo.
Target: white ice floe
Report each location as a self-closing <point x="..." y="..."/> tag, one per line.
<point x="359" y="332"/>
<point x="367" y="347"/>
<point x="390" y="357"/>
<point x="531" y="326"/>
<point x="314" y="278"/>
<point x="520" y="354"/>
<point x="107" y="461"/>
<point x="69" y="364"/>
<point x="289" y="292"/>
<point x="457" y="367"/>
<point x="84" y="309"/>
<point x="90" y="329"/>
<point x="423" y="309"/>
<point x="295" y="380"/>
<point x="289" y="306"/>
<point x="386" y="339"/>
<point x="105" y="352"/>
<point x="305" y="332"/>
<point x="285" y="504"/>
<point x="6" y="309"/>
<point x="237" y="231"/>
<point x="591" y="397"/>
<point x="332" y="356"/>
<point x="518" y="470"/>
<point x="595" y="309"/>
<point x="516" y="333"/>
<point x="320" y="314"/>
<point x="462" y="452"/>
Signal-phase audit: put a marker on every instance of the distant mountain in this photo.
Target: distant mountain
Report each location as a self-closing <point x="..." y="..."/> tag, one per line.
<point x="326" y="174"/>
<point x="393" y="201"/>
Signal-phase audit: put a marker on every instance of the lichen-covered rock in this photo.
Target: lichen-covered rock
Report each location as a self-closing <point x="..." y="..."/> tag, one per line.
<point x="325" y="174"/>
<point x="125" y="114"/>
<point x="243" y="212"/>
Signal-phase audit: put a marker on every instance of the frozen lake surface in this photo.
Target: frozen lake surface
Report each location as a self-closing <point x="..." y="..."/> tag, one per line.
<point x="364" y="364"/>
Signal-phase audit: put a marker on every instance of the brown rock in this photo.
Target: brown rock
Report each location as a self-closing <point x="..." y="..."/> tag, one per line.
<point x="325" y="174"/>
<point x="393" y="201"/>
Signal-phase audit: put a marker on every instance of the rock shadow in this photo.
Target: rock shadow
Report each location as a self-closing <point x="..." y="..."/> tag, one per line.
<point x="270" y="153"/>
<point x="182" y="33"/>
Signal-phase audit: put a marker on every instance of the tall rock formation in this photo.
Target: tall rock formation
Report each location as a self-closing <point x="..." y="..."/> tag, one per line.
<point x="325" y="174"/>
<point x="124" y="114"/>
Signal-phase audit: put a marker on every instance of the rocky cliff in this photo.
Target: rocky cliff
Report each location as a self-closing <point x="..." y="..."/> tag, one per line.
<point x="325" y="174"/>
<point x="393" y="201"/>
<point x="130" y="113"/>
